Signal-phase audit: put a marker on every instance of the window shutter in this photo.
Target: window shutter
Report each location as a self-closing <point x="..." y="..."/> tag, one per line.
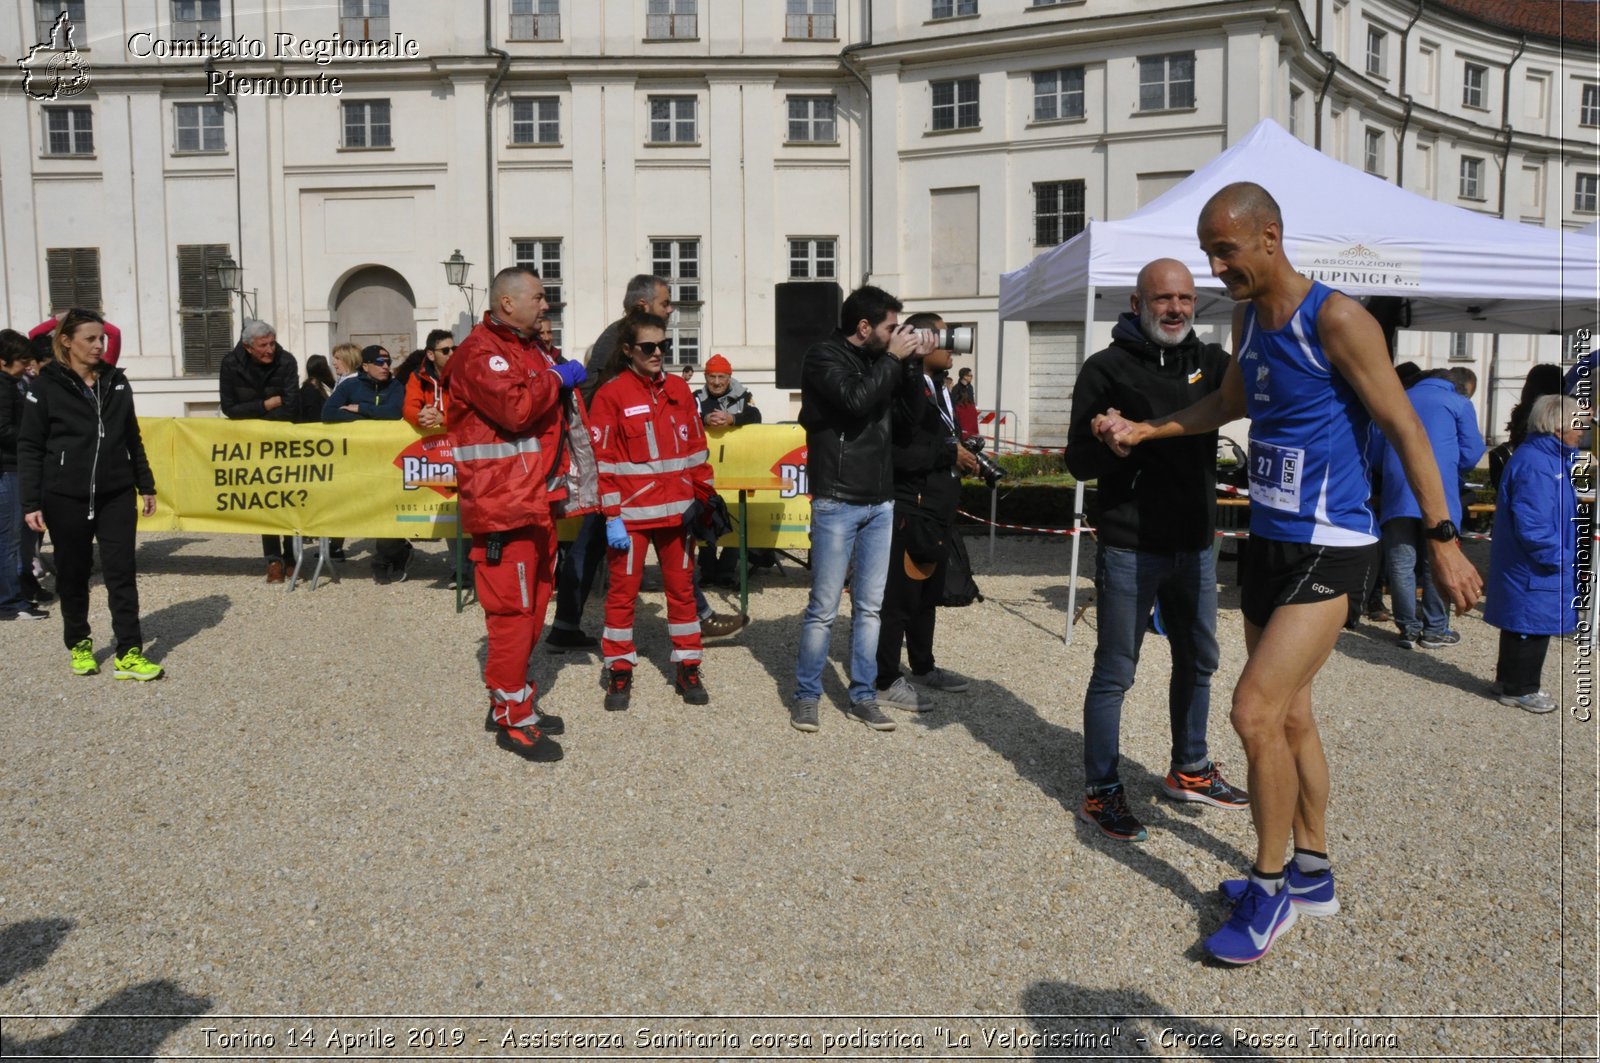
<point x="74" y="278"/>
<point x="205" y="313"/>
<point x="59" y="261"/>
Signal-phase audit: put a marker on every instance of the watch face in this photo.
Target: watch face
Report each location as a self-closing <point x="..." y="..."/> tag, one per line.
<point x="1444" y="531"/>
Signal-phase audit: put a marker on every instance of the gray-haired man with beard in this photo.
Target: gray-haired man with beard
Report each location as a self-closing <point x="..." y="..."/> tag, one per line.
<point x="1156" y="515"/>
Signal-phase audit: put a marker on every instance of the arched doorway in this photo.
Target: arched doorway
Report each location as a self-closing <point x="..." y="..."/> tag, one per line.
<point x="375" y="305"/>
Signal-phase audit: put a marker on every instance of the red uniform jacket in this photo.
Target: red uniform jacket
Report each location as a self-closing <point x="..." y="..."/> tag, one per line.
<point x="505" y="429"/>
<point x="651" y="449"/>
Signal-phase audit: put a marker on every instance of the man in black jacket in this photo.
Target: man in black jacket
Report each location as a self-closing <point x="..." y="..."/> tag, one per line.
<point x="16" y="603"/>
<point x="260" y="380"/>
<point x="847" y="385"/>
<point x="929" y="462"/>
<point x="1156" y="515"/>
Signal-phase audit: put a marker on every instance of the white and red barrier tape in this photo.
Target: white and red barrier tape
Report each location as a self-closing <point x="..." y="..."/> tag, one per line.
<point x="1021" y="527"/>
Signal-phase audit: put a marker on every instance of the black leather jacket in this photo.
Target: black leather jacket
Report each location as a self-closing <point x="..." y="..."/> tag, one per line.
<point x="846" y="395"/>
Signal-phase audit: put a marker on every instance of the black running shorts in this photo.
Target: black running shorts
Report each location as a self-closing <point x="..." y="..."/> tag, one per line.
<point x="1276" y="573"/>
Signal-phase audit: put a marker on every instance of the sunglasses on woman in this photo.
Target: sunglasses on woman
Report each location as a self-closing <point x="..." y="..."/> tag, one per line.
<point x="665" y="347"/>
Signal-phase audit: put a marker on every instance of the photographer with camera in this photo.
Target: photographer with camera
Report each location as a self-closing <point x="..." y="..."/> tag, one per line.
<point x="847" y="386"/>
<point x="929" y="462"/>
<point x="1156" y="515"/>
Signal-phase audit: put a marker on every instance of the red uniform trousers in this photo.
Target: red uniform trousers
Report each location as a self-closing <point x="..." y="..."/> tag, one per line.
<point x="677" y="576"/>
<point x="514" y="594"/>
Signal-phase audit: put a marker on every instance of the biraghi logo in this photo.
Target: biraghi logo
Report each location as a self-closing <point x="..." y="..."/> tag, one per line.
<point x="429" y="462"/>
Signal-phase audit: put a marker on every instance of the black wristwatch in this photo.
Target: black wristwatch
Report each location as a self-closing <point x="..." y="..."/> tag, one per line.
<point x="1443" y="532"/>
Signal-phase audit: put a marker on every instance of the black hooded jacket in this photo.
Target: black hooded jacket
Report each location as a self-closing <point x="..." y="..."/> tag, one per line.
<point x="1163" y="496"/>
<point x="245" y="385"/>
<point x="61" y="449"/>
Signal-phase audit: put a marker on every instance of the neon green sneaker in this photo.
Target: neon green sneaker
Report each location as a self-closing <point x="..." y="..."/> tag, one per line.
<point x="135" y="665"/>
<point x="83" y="659"/>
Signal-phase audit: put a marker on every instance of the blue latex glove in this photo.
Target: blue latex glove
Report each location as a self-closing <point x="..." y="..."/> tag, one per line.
<point x="616" y="531"/>
<point x="571" y="373"/>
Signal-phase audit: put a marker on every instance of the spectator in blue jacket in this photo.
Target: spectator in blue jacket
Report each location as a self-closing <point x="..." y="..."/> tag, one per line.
<point x="372" y="395"/>
<point x="1452" y="427"/>
<point x="1533" y="559"/>
<point x="368" y="395"/>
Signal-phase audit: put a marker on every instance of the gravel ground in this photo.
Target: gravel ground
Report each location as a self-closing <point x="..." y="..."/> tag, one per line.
<point x="307" y="819"/>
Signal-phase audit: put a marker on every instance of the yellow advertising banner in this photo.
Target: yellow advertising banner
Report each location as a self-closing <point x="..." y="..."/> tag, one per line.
<point x="383" y="480"/>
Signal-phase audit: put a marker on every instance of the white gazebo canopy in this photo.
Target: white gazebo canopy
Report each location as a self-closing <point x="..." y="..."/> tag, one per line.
<point x="1461" y="270"/>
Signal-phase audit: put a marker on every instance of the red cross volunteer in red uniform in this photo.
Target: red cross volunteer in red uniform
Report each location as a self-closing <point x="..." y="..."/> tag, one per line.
<point x="506" y="430"/>
<point x="653" y="466"/>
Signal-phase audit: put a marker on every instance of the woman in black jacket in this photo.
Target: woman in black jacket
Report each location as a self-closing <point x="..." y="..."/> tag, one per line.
<point x="319" y="384"/>
<point x="81" y="460"/>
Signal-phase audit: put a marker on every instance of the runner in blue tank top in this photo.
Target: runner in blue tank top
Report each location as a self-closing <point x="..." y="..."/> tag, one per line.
<point x="1310" y="366"/>
<point x="1308" y="432"/>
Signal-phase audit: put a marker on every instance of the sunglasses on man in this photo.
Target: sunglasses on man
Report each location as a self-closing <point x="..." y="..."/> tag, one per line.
<point x="444" y="350"/>
<point x="647" y="349"/>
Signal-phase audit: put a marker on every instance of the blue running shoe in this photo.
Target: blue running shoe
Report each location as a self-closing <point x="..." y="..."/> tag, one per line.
<point x="1310" y="894"/>
<point x="1255" y="924"/>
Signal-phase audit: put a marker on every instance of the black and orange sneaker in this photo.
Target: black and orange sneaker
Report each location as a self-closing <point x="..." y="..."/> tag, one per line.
<point x="688" y="683"/>
<point x="550" y="724"/>
<point x="1206" y="786"/>
<point x="1108" y="810"/>
<point x="529" y="743"/>
<point x="618" y="683"/>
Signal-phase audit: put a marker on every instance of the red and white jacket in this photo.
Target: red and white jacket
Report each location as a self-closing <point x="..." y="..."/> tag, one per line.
<point x="650" y="448"/>
<point x="505" y="429"/>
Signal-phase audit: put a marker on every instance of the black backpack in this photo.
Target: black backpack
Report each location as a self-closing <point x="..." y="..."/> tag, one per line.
<point x="960" y="588"/>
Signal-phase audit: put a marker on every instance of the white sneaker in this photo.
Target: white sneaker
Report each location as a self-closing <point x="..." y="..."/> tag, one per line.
<point x="937" y="678"/>
<point x="1537" y="702"/>
<point x="903" y="696"/>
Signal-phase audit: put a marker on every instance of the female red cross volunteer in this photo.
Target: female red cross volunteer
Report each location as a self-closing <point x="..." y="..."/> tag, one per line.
<point x="653" y="466"/>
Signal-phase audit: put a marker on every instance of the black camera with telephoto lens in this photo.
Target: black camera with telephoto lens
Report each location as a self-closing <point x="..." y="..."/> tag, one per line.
<point x="988" y="468"/>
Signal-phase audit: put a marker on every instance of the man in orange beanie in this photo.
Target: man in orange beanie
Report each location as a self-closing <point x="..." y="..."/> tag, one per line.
<point x="724" y="403"/>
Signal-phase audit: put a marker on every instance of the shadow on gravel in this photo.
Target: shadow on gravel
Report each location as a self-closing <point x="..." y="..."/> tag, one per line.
<point x="153" y="552"/>
<point x="28" y="946"/>
<point x="1054" y="597"/>
<point x="1068" y="1019"/>
<point x="1050" y="757"/>
<point x="246" y="569"/>
<point x="1376" y="645"/>
<point x="172" y="626"/>
<point x="131" y="1024"/>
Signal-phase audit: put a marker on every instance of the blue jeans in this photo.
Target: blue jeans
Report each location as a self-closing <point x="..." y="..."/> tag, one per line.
<point x="840" y="530"/>
<point x="11" y="599"/>
<point x="1127" y="583"/>
<point x="1406" y="553"/>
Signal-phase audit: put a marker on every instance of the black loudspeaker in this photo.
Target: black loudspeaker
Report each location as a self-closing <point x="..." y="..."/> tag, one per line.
<point x="804" y="312"/>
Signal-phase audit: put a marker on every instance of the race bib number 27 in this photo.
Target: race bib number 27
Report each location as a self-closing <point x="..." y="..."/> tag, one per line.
<point x="1275" y="476"/>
